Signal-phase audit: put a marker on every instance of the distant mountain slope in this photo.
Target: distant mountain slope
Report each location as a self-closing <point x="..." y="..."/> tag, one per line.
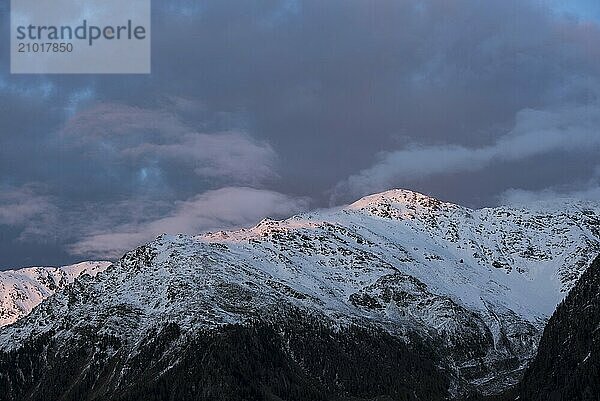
<point x="462" y="294"/>
<point x="23" y="289"/>
<point x="567" y="366"/>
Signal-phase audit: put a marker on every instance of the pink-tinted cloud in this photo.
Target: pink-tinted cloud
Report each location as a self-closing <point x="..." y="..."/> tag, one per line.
<point x="229" y="155"/>
<point x="110" y="120"/>
<point x="27" y="209"/>
<point x="116" y="132"/>
<point x="224" y="208"/>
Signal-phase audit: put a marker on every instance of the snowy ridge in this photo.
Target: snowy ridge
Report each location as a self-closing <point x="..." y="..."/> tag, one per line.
<point x="482" y="282"/>
<point x="23" y="289"/>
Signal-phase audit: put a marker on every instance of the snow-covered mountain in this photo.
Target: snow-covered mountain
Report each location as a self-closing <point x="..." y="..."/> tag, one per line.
<point x="467" y="292"/>
<point x="23" y="289"/>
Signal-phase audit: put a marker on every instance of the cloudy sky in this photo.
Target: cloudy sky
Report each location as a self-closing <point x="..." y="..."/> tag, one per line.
<point x="269" y="108"/>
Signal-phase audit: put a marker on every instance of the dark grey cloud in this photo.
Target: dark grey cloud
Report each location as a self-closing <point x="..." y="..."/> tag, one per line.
<point x="464" y="99"/>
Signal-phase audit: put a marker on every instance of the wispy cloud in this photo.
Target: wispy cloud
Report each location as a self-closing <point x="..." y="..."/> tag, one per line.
<point x="228" y="155"/>
<point x="571" y="129"/>
<point x="525" y="197"/>
<point x="27" y="209"/>
<point x="150" y="137"/>
<point x="233" y="169"/>
<point x="588" y="191"/>
<point x="113" y="120"/>
<point x="224" y="208"/>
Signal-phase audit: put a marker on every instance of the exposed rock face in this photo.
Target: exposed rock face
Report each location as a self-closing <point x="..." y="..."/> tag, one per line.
<point x="567" y="366"/>
<point x="397" y="295"/>
<point x="22" y="290"/>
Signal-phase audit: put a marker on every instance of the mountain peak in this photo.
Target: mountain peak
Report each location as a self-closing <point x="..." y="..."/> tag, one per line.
<point x="397" y="196"/>
<point x="479" y="284"/>
<point x="403" y="204"/>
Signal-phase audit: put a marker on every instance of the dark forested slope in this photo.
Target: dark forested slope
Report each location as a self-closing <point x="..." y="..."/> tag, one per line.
<point x="567" y="366"/>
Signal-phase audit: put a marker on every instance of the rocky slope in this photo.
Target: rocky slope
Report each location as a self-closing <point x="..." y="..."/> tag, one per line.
<point x="567" y="366"/>
<point x="23" y="289"/>
<point x="398" y="295"/>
